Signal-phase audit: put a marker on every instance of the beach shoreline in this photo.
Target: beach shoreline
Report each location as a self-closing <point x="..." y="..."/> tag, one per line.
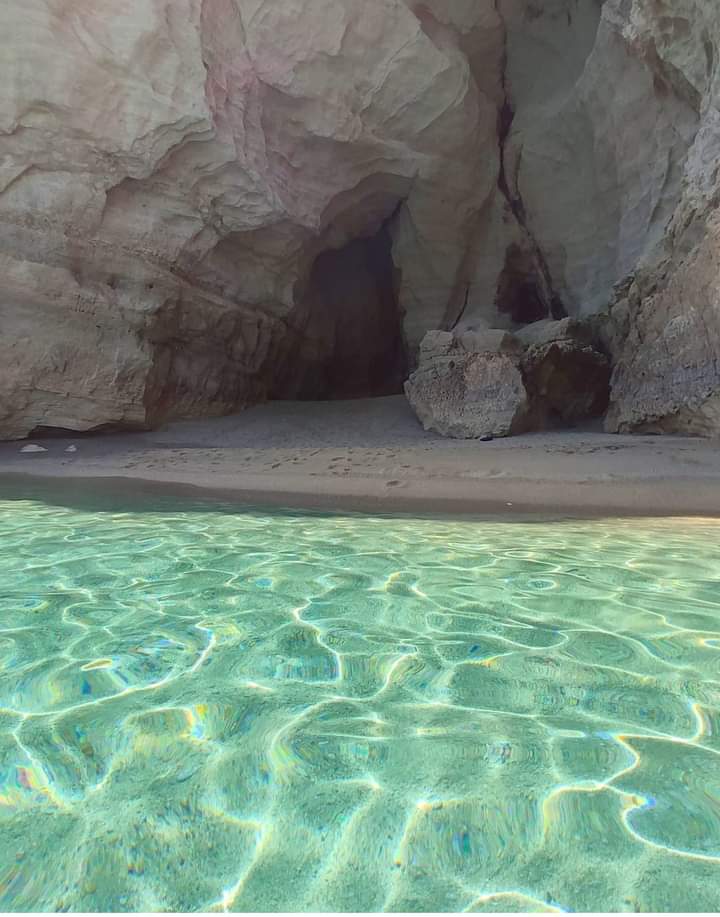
<point x="373" y="456"/>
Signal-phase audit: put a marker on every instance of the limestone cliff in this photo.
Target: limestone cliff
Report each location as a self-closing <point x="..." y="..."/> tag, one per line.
<point x="665" y="336"/>
<point x="204" y="203"/>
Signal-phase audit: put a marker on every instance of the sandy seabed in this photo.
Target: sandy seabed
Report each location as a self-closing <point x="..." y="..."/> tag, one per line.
<point x="373" y="455"/>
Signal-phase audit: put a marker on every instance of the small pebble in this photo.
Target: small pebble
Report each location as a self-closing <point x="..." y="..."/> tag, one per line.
<point x="32" y="447"/>
<point x="488" y="438"/>
<point x="71" y="449"/>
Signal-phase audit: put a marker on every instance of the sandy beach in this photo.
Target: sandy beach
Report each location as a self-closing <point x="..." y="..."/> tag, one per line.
<point x="373" y="455"/>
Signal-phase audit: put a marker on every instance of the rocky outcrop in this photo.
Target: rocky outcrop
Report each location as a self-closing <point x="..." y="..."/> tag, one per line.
<point x="171" y="170"/>
<point x="187" y="187"/>
<point x="667" y="345"/>
<point x="477" y="383"/>
<point x="468" y="386"/>
<point x="566" y="376"/>
<point x="664" y="328"/>
<point x="608" y="195"/>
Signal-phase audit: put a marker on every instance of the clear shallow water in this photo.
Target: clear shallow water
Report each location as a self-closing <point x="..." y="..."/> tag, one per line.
<point x="254" y="711"/>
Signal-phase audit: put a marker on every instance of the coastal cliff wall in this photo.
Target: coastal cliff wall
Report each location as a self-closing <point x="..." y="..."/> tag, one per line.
<point x="186" y="184"/>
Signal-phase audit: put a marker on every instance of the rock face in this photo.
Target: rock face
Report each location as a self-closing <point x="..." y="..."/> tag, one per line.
<point x="468" y="387"/>
<point x="567" y="378"/>
<point x="188" y="188"/>
<point x="171" y="171"/>
<point x="664" y="329"/>
<point x="476" y="383"/>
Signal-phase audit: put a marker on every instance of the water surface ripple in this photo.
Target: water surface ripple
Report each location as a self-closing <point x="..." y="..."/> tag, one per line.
<point x="263" y="711"/>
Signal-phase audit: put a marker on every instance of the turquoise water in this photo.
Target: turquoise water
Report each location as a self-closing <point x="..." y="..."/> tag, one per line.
<point x="209" y="709"/>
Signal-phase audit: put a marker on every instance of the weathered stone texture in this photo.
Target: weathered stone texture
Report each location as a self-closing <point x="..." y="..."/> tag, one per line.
<point x="174" y="174"/>
<point x="468" y="387"/>
<point x="493" y="383"/>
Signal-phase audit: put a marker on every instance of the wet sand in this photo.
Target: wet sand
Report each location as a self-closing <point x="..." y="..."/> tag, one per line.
<point x="373" y="455"/>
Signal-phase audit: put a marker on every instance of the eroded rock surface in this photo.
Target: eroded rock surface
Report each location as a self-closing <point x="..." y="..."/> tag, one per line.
<point x="475" y="383"/>
<point x="566" y="376"/>
<point x="184" y="184"/>
<point x="468" y="386"/>
<point x="170" y="170"/>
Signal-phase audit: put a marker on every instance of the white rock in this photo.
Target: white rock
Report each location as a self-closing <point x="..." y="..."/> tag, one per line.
<point x="71" y="449"/>
<point x="154" y="250"/>
<point x="156" y="253"/>
<point x="32" y="448"/>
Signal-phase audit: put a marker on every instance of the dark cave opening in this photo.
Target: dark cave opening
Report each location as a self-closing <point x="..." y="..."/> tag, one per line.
<point x="347" y="341"/>
<point x="518" y="291"/>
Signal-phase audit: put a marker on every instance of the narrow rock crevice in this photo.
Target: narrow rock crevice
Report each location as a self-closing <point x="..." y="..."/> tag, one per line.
<point x="525" y="289"/>
<point x="518" y="292"/>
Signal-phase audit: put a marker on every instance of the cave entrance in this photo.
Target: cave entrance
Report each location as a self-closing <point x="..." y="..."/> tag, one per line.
<point x="349" y="342"/>
<point x="518" y="293"/>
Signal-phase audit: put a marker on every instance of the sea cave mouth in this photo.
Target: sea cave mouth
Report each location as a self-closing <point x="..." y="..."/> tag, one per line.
<point x="347" y="340"/>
